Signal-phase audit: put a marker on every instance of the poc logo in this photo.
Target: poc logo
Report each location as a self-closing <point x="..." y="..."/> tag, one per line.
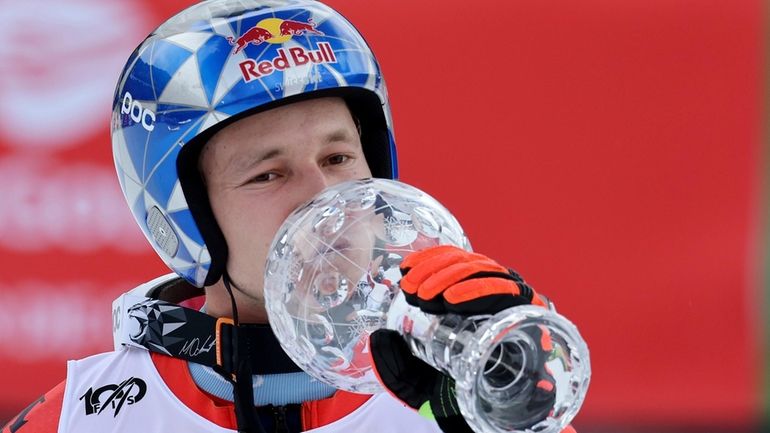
<point x="138" y="113"/>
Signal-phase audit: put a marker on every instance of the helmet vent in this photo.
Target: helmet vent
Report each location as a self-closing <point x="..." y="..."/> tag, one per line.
<point x="162" y="232"/>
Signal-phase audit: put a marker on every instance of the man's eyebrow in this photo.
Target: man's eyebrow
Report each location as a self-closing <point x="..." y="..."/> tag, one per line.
<point x="240" y="163"/>
<point x="341" y="134"/>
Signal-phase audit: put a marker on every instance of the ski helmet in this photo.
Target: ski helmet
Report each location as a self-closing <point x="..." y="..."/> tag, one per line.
<point x="210" y="65"/>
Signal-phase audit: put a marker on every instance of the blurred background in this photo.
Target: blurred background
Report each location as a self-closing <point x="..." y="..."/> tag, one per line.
<point x="613" y="152"/>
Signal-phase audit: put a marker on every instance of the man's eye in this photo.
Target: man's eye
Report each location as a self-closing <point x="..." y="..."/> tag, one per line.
<point x="264" y="177"/>
<point x="338" y="159"/>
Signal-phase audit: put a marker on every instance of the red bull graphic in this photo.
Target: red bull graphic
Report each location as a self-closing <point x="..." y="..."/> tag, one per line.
<point x="296" y="28"/>
<point x="255" y="35"/>
<point x="273" y="31"/>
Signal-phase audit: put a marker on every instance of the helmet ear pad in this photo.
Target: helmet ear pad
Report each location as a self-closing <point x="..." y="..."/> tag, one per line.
<point x="194" y="189"/>
<point x="365" y="107"/>
<point x="377" y="144"/>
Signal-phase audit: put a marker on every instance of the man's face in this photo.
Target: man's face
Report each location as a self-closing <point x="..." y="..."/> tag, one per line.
<point x="261" y="168"/>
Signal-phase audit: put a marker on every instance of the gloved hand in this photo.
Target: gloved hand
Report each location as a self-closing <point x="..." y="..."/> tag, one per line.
<point x="441" y="280"/>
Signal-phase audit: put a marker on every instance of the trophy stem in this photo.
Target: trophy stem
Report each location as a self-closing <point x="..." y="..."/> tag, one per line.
<point x="525" y="369"/>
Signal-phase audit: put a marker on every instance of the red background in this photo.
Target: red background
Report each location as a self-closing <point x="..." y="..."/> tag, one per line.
<point x="611" y="151"/>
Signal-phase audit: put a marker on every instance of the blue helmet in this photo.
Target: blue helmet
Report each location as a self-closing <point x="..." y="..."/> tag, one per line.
<point x="210" y="65"/>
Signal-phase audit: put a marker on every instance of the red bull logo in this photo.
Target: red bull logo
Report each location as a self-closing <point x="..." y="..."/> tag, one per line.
<point x="273" y="31"/>
<point x="278" y="31"/>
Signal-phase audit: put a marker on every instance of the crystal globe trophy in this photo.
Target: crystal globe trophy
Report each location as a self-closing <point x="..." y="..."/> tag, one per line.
<point x="332" y="278"/>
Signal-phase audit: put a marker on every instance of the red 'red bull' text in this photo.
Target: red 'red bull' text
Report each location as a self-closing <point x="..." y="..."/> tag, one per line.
<point x="295" y="56"/>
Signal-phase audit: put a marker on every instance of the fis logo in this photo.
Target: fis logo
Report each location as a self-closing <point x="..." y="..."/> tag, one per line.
<point x="128" y="392"/>
<point x="278" y="31"/>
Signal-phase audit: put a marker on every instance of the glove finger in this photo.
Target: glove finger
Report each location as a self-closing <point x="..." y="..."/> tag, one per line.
<point x="412" y="259"/>
<point x="415" y="276"/>
<point x="445" y="279"/>
<point x="472" y="288"/>
<point x="405" y="376"/>
<point x="486" y="305"/>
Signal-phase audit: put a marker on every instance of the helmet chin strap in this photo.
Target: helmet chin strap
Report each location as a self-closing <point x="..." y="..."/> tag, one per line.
<point x="229" y="287"/>
<point x="242" y="380"/>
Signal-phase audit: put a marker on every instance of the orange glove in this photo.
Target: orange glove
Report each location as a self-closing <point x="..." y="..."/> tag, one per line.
<point x="447" y="279"/>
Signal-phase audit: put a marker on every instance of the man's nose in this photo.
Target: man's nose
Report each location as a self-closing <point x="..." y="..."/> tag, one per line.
<point x="313" y="181"/>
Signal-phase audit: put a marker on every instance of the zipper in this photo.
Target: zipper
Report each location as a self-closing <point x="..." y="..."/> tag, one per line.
<point x="279" y="418"/>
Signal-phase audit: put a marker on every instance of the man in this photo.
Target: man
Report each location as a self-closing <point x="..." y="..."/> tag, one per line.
<point x="226" y="118"/>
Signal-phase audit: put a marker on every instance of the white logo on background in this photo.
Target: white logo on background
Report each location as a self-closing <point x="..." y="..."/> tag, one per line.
<point x="58" y="67"/>
<point x="61" y="320"/>
<point x="77" y="208"/>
